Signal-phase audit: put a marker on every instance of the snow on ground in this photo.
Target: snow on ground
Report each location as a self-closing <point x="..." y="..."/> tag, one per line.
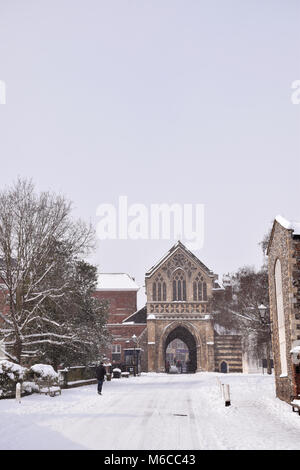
<point x="154" y="411"/>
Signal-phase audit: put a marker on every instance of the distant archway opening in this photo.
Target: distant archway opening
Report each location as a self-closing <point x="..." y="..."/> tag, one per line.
<point x="177" y="353"/>
<point x="188" y="352"/>
<point x="224" y="367"/>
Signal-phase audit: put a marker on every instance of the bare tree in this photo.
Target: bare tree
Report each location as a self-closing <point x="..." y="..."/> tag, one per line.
<point x="241" y="312"/>
<point x="36" y="234"/>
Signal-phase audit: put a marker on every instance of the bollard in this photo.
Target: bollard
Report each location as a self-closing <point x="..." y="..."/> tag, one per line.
<point x="18" y="392"/>
<point x="226" y="394"/>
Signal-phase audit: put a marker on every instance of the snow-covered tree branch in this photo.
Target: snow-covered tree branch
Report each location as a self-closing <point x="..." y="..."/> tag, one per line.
<point x="46" y="299"/>
<point x="239" y="312"/>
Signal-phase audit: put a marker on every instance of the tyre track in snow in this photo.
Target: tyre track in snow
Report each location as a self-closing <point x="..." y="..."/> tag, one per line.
<point x="206" y="423"/>
<point x="157" y="426"/>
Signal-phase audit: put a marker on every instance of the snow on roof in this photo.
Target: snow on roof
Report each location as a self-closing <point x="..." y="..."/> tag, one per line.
<point x="218" y="286"/>
<point x="116" y="282"/>
<point x="295" y="226"/>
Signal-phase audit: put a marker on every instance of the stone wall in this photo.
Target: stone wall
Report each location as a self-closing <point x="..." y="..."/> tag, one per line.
<point x="228" y="348"/>
<point x="77" y="376"/>
<point x="286" y="248"/>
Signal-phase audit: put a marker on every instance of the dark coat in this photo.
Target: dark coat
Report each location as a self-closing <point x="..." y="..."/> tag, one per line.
<point x="100" y="372"/>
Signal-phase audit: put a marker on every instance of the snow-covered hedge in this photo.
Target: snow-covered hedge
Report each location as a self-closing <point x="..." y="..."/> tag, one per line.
<point x="10" y="375"/>
<point x="30" y="379"/>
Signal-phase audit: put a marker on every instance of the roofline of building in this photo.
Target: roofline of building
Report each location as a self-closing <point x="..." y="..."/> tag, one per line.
<point x="290" y="226"/>
<point x="118" y="289"/>
<point x="134" y="313"/>
<point x="171" y="251"/>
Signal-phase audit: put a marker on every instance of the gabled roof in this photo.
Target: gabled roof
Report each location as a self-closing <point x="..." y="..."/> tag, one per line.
<point x="140" y="316"/>
<point x="179" y="246"/>
<point x="293" y="227"/>
<point x="116" y="282"/>
<point x="218" y="286"/>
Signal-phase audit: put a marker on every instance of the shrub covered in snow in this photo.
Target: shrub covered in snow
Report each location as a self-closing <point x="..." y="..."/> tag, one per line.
<point x="10" y="375"/>
<point x="44" y="373"/>
<point x="30" y="387"/>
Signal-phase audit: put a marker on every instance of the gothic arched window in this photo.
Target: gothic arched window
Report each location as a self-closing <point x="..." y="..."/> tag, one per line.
<point x="164" y="291"/>
<point x="204" y="291"/>
<point x="194" y="290"/>
<point x="199" y="289"/>
<point x="154" y="291"/>
<point x="179" y="285"/>
<point x="159" y="289"/>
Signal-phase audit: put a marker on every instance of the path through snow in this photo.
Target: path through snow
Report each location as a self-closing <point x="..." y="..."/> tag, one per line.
<point x="154" y="411"/>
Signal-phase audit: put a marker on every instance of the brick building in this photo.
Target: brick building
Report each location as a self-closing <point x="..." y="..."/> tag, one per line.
<point x="120" y="290"/>
<point x="180" y="290"/>
<point x="284" y="290"/>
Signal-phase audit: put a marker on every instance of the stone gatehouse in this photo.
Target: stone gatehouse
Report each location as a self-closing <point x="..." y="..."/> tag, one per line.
<point x="180" y="291"/>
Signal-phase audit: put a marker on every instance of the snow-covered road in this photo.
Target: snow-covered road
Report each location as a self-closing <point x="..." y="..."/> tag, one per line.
<point x="154" y="411"/>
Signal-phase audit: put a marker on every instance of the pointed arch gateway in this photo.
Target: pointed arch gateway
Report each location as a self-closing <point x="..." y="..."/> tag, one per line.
<point x="186" y="333"/>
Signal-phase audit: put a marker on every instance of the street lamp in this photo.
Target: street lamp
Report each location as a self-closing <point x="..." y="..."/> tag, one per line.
<point x="262" y="311"/>
<point x="134" y="339"/>
<point x="263" y="315"/>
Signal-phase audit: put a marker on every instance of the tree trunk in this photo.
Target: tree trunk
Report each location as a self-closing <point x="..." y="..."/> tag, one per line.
<point x="18" y="349"/>
<point x="55" y="364"/>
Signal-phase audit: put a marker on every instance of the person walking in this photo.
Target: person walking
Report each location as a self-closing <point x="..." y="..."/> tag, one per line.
<point x="100" y="374"/>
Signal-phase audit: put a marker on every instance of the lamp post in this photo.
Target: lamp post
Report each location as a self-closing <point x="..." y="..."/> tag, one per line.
<point x="134" y="339"/>
<point x="265" y="320"/>
<point x="262" y="311"/>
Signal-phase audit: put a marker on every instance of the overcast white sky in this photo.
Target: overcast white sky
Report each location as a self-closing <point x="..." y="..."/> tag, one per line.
<point x="163" y="101"/>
